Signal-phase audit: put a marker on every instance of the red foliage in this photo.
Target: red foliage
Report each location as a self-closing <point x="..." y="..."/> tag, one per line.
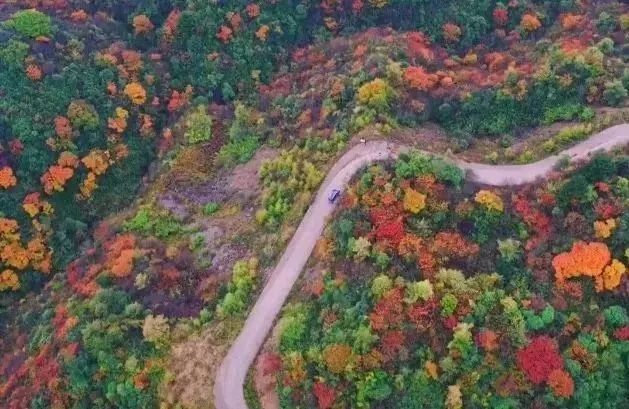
<point x="391" y="343"/>
<point x="454" y="244"/>
<point x="539" y="358"/>
<point x="421" y="314"/>
<point x="418" y="46"/>
<point x="488" y="340"/>
<point x="15" y="147"/>
<point x="235" y="21"/>
<point x="357" y="6"/>
<point x="450" y="322"/>
<point x="531" y="215"/>
<point x="325" y="395"/>
<point x="170" y="25"/>
<point x="385" y="214"/>
<point x="179" y="100"/>
<point x="391" y="232"/>
<point x="253" y="10"/>
<point x="271" y="363"/>
<point x="495" y="61"/>
<point x="224" y="34"/>
<point x="418" y="78"/>
<point x="63" y="128"/>
<point x="63" y="321"/>
<point x="561" y="383"/>
<point x="605" y="209"/>
<point x="622" y="333"/>
<point x="501" y="16"/>
<point x="451" y="32"/>
<point x="388" y="312"/>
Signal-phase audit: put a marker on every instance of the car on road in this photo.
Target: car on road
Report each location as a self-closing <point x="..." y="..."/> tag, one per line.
<point x="334" y="194"/>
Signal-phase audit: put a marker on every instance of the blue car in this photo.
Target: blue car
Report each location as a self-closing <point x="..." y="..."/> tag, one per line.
<point x="334" y="194"/>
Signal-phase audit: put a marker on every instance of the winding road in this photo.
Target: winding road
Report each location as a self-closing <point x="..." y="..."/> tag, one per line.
<point x="230" y="378"/>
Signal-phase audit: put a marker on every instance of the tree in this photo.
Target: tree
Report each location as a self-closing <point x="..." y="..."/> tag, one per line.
<point x="539" y="359"/>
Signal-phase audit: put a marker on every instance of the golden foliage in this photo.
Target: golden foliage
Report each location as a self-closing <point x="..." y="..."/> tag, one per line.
<point x="589" y="259"/>
<point x="604" y="229"/>
<point x="263" y="32"/>
<point x="489" y="200"/>
<point x="414" y="201"/>
<point x="611" y="276"/>
<point x="142" y="24"/>
<point x="97" y="161"/>
<point x="7" y="179"/>
<point x="33" y="205"/>
<point x="9" y="281"/>
<point x="375" y="92"/>
<point x="15" y="256"/>
<point x="336" y="357"/>
<point x="68" y="160"/>
<point x="136" y="93"/>
<point x="530" y="22"/>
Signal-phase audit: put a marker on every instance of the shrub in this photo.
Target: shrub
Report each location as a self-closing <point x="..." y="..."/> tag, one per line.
<point x="380" y="286"/>
<point x="242" y="284"/>
<point x="159" y="224"/>
<point x="244" y="137"/>
<point x="211" y="208"/>
<point x="375" y="94"/>
<point x="606" y="23"/>
<point x="616" y="316"/>
<point x="624" y="22"/>
<point x="614" y="93"/>
<point x="414" y="164"/>
<point x="564" y="112"/>
<point x="30" y="23"/>
<point x="83" y="115"/>
<point x="601" y="167"/>
<point x="606" y="46"/>
<point x="14" y="53"/>
<point x="198" y="126"/>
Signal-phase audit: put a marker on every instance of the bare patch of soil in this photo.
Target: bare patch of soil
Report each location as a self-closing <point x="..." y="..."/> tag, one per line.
<point x="193" y="364"/>
<point x="244" y="180"/>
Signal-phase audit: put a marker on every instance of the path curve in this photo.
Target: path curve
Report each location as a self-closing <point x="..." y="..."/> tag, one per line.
<point x="230" y="378"/>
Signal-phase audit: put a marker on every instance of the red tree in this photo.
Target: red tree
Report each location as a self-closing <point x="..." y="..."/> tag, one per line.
<point x="539" y="358"/>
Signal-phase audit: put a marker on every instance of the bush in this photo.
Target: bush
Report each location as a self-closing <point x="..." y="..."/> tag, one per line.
<point x="564" y="112"/>
<point x="83" y="115"/>
<point x="30" y="23"/>
<point x="606" y="23"/>
<point x="606" y="45"/>
<point x="244" y="137"/>
<point x="159" y="224"/>
<point x="375" y="94"/>
<point x="242" y="284"/>
<point x="414" y="164"/>
<point x="601" y="167"/>
<point x="614" y="93"/>
<point x="198" y="126"/>
<point x="14" y="53"/>
<point x="211" y="208"/>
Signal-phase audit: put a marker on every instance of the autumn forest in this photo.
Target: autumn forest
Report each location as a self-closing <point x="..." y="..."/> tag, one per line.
<point x="158" y="156"/>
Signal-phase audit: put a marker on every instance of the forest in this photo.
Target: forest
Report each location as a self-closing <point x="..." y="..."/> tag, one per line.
<point x="156" y="156"/>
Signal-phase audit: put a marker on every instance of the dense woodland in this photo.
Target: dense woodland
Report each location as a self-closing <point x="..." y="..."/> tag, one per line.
<point x="435" y="294"/>
<point x="107" y="105"/>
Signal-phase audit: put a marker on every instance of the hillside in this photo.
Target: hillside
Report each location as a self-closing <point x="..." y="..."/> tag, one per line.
<point x="157" y="155"/>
